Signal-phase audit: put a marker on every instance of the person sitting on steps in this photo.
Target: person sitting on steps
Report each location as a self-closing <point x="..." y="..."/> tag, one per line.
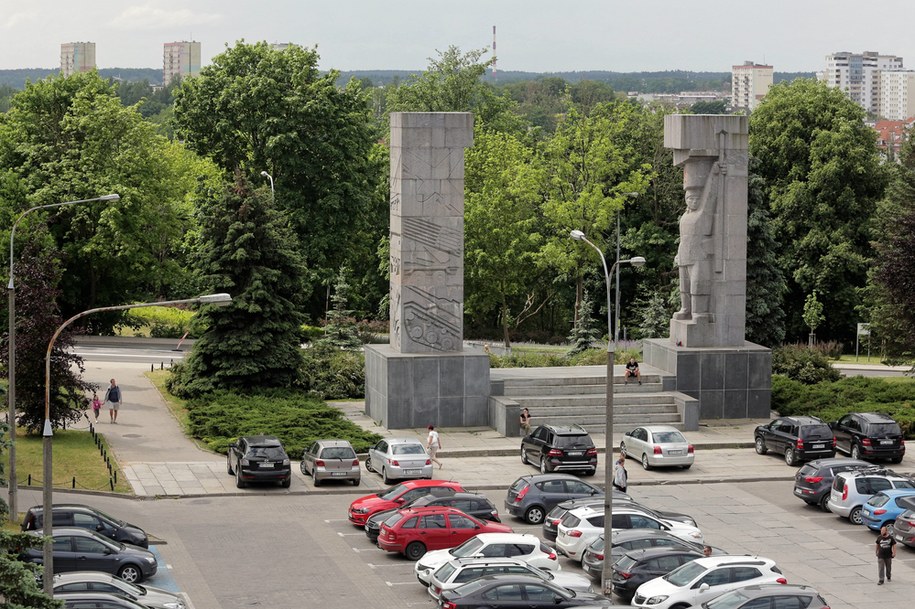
<point x="632" y="369"/>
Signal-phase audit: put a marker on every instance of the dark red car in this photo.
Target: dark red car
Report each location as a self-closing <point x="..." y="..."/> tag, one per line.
<point x="398" y="495"/>
<point x="414" y="531"/>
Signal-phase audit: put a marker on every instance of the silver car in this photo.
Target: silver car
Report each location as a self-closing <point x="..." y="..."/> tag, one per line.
<point x="399" y="459"/>
<point x="66" y="584"/>
<point x="658" y="446"/>
<point x="460" y="571"/>
<point x="331" y="460"/>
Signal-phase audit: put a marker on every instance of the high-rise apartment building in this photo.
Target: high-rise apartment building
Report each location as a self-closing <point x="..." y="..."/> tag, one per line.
<point x="858" y="75"/>
<point x="180" y="59"/>
<point x="897" y="94"/>
<point x="77" y="57"/>
<point x="749" y="84"/>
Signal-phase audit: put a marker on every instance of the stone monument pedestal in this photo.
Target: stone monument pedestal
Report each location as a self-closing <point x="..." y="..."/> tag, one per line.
<point x="408" y="390"/>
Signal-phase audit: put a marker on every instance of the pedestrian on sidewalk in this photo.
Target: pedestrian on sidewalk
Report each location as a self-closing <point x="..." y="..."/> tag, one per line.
<point x="632" y="369"/>
<point x="620" y="475"/>
<point x="113" y="399"/>
<point x="433" y="445"/>
<point x="886" y="552"/>
<point x="96" y="406"/>
<point x="525" y="420"/>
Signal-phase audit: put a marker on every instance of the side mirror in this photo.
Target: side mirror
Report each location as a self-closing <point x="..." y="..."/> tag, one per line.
<point x="99" y="527"/>
<point x="703" y="587"/>
<point x="400" y="501"/>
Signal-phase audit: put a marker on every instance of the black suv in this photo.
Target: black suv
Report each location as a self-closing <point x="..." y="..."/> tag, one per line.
<point x="560" y="449"/>
<point x="813" y="482"/>
<point x="258" y="459"/>
<point x="798" y="438"/>
<point x="85" y="517"/>
<point x="869" y="435"/>
<point x="638" y="566"/>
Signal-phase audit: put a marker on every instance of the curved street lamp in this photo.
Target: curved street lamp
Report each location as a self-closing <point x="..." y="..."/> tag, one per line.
<point x="264" y="174"/>
<point x="220" y="299"/>
<point x="11" y="392"/>
<point x="636" y="261"/>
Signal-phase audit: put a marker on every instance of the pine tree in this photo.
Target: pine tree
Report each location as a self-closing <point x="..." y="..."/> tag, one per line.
<point x="584" y="333"/>
<point x="340" y="330"/>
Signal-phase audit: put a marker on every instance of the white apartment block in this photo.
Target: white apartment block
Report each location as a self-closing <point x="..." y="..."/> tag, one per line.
<point x="749" y="84"/>
<point x="77" y="57"/>
<point x="180" y="59"/>
<point x="858" y="75"/>
<point x="897" y="94"/>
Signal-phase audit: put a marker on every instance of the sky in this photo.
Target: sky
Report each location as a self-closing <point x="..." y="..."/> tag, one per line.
<point x="533" y="35"/>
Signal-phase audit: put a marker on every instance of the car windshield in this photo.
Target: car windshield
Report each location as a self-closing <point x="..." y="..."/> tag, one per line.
<point x="597" y="545"/>
<point x="470" y="587"/>
<point x="518" y="484"/>
<point x="626" y="563"/>
<point x="267" y="452"/>
<point x="393" y="519"/>
<point x="573" y="441"/>
<point x="110" y="518"/>
<point x="806" y="470"/>
<point x="444" y="572"/>
<point x="684" y="574"/>
<point x="408" y="449"/>
<point x="338" y="452"/>
<point x="878" y="500"/>
<point x="817" y="431"/>
<point x="668" y="437"/>
<point x="392" y="493"/>
<point x="884" y="429"/>
<point x="468" y="548"/>
<point x="731" y="600"/>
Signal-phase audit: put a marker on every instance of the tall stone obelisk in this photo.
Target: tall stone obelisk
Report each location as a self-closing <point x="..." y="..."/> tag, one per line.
<point x="424" y="376"/>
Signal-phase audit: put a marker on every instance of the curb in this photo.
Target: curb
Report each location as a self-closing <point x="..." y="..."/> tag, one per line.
<point x="511" y="452"/>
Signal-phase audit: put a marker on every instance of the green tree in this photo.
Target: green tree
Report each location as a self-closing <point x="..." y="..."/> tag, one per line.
<point x="709" y="107"/>
<point x="19" y="587"/>
<point x="813" y="315"/>
<point x="584" y="331"/>
<point x="654" y="312"/>
<point x="247" y="250"/>
<point x="765" y="322"/>
<point x="823" y="177"/>
<point x="340" y="329"/>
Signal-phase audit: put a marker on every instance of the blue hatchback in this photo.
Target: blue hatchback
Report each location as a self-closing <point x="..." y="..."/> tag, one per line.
<point x="883" y="508"/>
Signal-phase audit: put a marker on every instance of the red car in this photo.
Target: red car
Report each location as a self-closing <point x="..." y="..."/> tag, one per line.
<point x="413" y="531"/>
<point x="398" y="495"/>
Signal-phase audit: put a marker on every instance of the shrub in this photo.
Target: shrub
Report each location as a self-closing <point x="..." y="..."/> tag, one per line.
<point x="799" y="363"/>
<point x="163" y="322"/>
<point x="831" y="349"/>
<point x="332" y="373"/>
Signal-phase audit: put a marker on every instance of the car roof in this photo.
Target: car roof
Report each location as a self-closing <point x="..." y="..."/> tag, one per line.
<point x="262" y="440"/>
<point x="567" y="430"/>
<point x="391" y="441"/>
<point x="833" y="461"/>
<point x="648" y="553"/>
<point x="534" y="478"/>
<point x="875" y="417"/>
<point x="96" y="576"/>
<point x="804" y="420"/>
<point x="334" y="443"/>
<point x="506" y="537"/>
<point x="654" y="428"/>
<point x="410" y="484"/>
<point x="896" y="492"/>
<point x="588" y="510"/>
<point x="879" y="472"/>
<point x="622" y="535"/>
<point x="76" y="531"/>
<point x="496" y="560"/>
<point x="711" y="562"/>
<point x="760" y="589"/>
<point x="64" y="506"/>
<point x="430" y="509"/>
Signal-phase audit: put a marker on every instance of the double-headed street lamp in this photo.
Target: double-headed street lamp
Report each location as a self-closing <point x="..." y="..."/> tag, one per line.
<point x="47" y="488"/>
<point x="11" y="392"/>
<point x="636" y="261"/>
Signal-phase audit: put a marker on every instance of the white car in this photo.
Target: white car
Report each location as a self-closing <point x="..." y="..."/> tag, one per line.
<point x="703" y="579"/>
<point x="460" y="571"/>
<point x="522" y="546"/>
<point x="399" y="459"/>
<point x="851" y="490"/>
<point x="658" y="446"/>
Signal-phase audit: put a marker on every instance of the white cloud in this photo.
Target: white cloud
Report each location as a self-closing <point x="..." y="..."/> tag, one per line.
<point x="149" y="17"/>
<point x="17" y="19"/>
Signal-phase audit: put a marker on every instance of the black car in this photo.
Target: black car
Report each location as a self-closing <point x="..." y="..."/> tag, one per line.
<point x="258" y="459"/>
<point x="474" y="505"/>
<point x="77" y="549"/>
<point x="869" y="435"/>
<point x="638" y="566"/>
<point x="97" y="600"/>
<point x="798" y="438"/>
<point x="813" y="481"/>
<point x="628" y="540"/>
<point x="531" y="497"/>
<point x="510" y="591"/>
<point x="560" y="449"/>
<point x="551" y="522"/>
<point x="86" y="517"/>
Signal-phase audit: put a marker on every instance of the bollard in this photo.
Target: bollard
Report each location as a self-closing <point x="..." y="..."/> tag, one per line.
<point x="152" y="367"/>
<point x="30" y="479"/>
<point x="111" y="484"/>
<point x="161" y="365"/>
<point x="115" y="476"/>
<point x="73" y="484"/>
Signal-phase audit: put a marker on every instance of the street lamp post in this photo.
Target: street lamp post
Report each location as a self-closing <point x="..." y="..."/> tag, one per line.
<point x="11" y="391"/>
<point x="637" y="261"/>
<point x="269" y="177"/>
<point x="47" y="490"/>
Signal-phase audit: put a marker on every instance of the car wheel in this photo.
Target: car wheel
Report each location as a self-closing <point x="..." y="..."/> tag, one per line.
<point x="317" y="481"/>
<point x="414" y="550"/>
<point x="855" y="452"/>
<point x="356" y="482"/>
<point x="623" y="448"/>
<point x="534" y="514"/>
<point x="303" y="468"/>
<point x="790" y="456"/>
<point x="645" y="464"/>
<point x="896" y="460"/>
<point x="687" y="466"/>
<point x="384" y="476"/>
<point x="288" y="482"/>
<point x="239" y="483"/>
<point x="229" y="466"/>
<point x="543" y="468"/>
<point x="130" y="573"/>
<point x="855" y="516"/>
<point x="824" y="501"/>
<point x="680" y="606"/>
<point x="590" y="472"/>
<point x="368" y="464"/>
<point x="761" y="446"/>
<point x="524" y="457"/>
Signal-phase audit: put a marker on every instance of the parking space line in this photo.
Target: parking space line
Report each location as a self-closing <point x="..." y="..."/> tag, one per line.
<point x="342" y="534"/>
<point x="392" y="584"/>
<point x="330" y="520"/>
<point x="374" y="566"/>
<point x="367" y="550"/>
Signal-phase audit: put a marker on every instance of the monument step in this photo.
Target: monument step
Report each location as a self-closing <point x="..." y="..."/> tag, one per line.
<point x="564" y="411"/>
<point x="595" y="423"/>
<point x="592" y="400"/>
<point x="562" y="381"/>
<point x="595" y="389"/>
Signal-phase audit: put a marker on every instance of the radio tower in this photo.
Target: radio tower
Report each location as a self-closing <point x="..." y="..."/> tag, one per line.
<point x="494" y="53"/>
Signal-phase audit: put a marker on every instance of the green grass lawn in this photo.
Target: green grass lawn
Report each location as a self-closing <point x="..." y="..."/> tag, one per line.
<point x="862" y="358"/>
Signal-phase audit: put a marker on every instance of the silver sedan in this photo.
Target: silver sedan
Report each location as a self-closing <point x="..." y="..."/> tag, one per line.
<point x="399" y="459"/>
<point x="658" y="446"/>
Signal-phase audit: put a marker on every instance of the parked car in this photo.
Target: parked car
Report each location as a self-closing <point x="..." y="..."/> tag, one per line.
<point x="886" y="506"/>
<point x="658" y="446"/>
<point x="869" y="435"/>
<point x="531" y="497"/>
<point x="560" y="448"/>
<point x="399" y="459"/>
<point x="66" y="584"/>
<point x="628" y="540"/>
<point x="522" y="546"/>
<point x="851" y="490"/>
<point x="798" y="438"/>
<point x="551" y="522"/>
<point x="763" y="596"/>
<point x="398" y="496"/>
<point x="813" y="480"/>
<point x="471" y="504"/>
<point x="97" y="600"/>
<point x="258" y="459"/>
<point x="331" y="460"/>
<point x="76" y="549"/>
<point x="86" y="517"/>
<point x="638" y="566"/>
<point x="460" y="571"/>
<point x="509" y="591"/>
<point x="414" y="531"/>
<point x="703" y="579"/>
<point x="903" y="529"/>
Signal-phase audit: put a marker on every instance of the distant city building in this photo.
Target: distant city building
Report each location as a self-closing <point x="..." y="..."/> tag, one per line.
<point x="891" y="135"/>
<point x="858" y="75"/>
<point x="897" y="94"/>
<point x="180" y="59"/>
<point x="749" y="85"/>
<point x="77" y="57"/>
<point x="683" y="99"/>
